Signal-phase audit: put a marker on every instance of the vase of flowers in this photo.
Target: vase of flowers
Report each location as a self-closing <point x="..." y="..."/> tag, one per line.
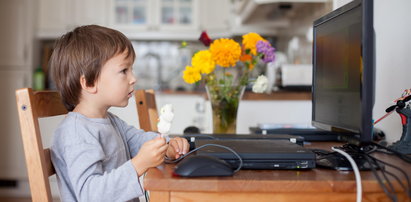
<point x="225" y="68"/>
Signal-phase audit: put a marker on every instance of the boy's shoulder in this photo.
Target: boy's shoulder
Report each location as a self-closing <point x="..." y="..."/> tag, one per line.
<point x="76" y="128"/>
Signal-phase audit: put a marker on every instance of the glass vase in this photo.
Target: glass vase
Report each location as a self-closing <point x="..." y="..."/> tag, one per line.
<point x="224" y="105"/>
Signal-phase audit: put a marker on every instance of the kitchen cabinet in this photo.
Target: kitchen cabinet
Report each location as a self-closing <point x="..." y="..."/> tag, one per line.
<point x="12" y="163"/>
<point x="155" y="19"/>
<point x="56" y="17"/>
<point x="16" y="39"/>
<point x="216" y="17"/>
<point x="14" y="35"/>
<point x="138" y="19"/>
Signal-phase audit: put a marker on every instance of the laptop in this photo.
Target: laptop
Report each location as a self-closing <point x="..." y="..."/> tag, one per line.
<point x="260" y="154"/>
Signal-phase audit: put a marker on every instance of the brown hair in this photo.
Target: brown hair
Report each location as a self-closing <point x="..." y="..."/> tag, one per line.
<point x="84" y="51"/>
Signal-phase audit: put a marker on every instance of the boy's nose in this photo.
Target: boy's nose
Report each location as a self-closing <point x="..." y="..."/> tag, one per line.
<point x="133" y="79"/>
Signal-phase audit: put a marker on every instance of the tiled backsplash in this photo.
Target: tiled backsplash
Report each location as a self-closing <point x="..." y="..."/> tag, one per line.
<point x="159" y="64"/>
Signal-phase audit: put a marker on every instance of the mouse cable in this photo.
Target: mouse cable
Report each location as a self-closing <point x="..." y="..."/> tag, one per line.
<point x="198" y="135"/>
<point x="167" y="160"/>
<point x="356" y="172"/>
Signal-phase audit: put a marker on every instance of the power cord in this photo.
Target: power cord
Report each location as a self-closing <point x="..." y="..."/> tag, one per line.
<point x="402" y="156"/>
<point x="356" y="172"/>
<point x="408" y="187"/>
<point x="167" y="160"/>
<point x="389" y="193"/>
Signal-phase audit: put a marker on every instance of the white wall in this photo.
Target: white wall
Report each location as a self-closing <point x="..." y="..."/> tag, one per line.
<point x="392" y="24"/>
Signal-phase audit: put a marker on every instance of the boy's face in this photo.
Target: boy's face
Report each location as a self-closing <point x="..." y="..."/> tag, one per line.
<point x="115" y="84"/>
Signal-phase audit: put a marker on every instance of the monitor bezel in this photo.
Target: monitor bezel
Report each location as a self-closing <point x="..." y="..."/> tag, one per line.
<point x="367" y="91"/>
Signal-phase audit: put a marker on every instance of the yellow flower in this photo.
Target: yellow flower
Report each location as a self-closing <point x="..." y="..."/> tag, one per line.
<point x="250" y="40"/>
<point x="191" y="75"/>
<point x="225" y="52"/>
<point x="202" y="60"/>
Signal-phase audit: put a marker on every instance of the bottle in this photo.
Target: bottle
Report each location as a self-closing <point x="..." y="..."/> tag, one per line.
<point x="39" y="79"/>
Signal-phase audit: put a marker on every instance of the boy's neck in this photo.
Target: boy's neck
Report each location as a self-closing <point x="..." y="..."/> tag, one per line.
<point x="90" y="111"/>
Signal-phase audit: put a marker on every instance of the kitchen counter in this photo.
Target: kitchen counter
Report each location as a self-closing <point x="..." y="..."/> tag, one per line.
<point x="275" y="95"/>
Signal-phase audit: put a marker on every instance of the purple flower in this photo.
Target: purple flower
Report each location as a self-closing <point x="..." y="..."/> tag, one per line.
<point x="265" y="48"/>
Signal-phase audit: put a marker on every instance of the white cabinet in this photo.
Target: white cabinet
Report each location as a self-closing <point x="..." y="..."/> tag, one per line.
<point x="138" y="19"/>
<point x="14" y="40"/>
<point x="56" y="17"/>
<point x="216" y="17"/>
<point x="53" y="17"/>
<point x="156" y="19"/>
<point x="12" y="163"/>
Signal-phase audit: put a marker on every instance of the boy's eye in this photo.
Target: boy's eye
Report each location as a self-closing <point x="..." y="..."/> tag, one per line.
<point x="124" y="71"/>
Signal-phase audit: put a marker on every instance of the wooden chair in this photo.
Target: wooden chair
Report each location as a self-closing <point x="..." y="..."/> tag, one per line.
<point x="147" y="109"/>
<point x="32" y="105"/>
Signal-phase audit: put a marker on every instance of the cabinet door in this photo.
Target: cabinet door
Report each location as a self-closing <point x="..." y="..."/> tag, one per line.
<point x="12" y="163"/>
<point x="215" y="16"/>
<point x="131" y="15"/>
<point x="90" y="12"/>
<point x="14" y="51"/>
<point x="54" y="17"/>
<point x="178" y="15"/>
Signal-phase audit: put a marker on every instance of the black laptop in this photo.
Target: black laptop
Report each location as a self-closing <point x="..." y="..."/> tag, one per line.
<point x="260" y="154"/>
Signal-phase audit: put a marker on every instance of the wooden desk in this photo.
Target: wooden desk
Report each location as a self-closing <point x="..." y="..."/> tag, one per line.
<point x="271" y="185"/>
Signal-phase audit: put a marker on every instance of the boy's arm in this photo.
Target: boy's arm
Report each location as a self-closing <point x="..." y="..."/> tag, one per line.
<point x="135" y="137"/>
<point x="90" y="183"/>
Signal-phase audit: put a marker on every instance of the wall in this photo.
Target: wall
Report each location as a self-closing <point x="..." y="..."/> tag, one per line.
<point x="393" y="61"/>
<point x="392" y="32"/>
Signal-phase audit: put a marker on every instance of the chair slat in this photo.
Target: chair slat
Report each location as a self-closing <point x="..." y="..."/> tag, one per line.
<point x="147" y="109"/>
<point x="32" y="105"/>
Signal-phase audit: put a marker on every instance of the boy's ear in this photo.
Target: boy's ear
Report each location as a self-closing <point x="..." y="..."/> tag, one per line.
<point x="89" y="89"/>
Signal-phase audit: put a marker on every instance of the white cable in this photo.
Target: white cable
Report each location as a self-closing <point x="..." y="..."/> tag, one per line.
<point x="356" y="172"/>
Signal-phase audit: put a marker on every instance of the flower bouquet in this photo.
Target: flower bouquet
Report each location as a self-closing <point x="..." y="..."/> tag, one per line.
<point x="225" y="68"/>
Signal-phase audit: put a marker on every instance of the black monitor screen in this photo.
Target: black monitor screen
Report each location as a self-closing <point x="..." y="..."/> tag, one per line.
<point x="339" y="82"/>
<point x="338" y="72"/>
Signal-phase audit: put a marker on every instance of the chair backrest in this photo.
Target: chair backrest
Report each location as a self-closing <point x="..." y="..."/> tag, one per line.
<point x="32" y="105"/>
<point x="147" y="109"/>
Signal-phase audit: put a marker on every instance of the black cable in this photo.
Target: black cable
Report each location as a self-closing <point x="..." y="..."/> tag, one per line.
<point x="399" y="154"/>
<point x="383" y="172"/>
<point x="400" y="170"/>
<point x="398" y="180"/>
<point x="380" y="182"/>
<point x="194" y="135"/>
<point x="206" y="145"/>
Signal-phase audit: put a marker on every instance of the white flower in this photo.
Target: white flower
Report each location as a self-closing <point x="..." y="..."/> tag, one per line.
<point x="260" y="84"/>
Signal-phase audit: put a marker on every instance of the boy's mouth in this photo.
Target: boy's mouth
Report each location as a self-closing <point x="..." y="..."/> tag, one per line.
<point x="130" y="93"/>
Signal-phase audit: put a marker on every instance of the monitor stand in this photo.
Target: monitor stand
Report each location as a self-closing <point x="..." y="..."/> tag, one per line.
<point x="336" y="161"/>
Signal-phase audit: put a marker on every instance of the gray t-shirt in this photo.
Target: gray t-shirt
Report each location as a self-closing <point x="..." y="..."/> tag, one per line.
<point x="91" y="157"/>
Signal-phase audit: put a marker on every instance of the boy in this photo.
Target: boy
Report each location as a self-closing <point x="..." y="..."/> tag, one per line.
<point x="96" y="155"/>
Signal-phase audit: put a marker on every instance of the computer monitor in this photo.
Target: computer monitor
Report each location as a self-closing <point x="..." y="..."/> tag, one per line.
<point x="343" y="71"/>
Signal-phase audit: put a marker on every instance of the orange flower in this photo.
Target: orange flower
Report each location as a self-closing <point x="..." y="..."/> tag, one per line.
<point x="250" y="41"/>
<point x="248" y="60"/>
<point x="225" y="52"/>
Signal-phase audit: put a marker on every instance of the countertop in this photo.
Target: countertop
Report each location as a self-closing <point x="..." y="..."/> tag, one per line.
<point x="275" y="95"/>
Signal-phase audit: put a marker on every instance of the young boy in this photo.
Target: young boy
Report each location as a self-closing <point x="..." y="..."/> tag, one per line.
<point x="96" y="155"/>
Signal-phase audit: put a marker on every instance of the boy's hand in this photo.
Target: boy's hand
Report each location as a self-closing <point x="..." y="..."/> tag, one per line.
<point x="151" y="154"/>
<point x="177" y="147"/>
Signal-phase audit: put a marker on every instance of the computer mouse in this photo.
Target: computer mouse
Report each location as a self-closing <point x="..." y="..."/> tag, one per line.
<point x="203" y="166"/>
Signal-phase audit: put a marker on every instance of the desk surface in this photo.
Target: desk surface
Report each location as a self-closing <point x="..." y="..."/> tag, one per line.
<point x="268" y="185"/>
